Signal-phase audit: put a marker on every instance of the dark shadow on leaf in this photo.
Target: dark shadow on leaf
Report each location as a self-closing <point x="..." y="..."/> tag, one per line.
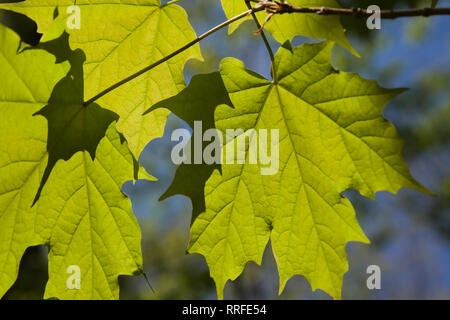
<point x="72" y="127"/>
<point x="197" y="102"/>
<point x="25" y="27"/>
<point x="32" y="277"/>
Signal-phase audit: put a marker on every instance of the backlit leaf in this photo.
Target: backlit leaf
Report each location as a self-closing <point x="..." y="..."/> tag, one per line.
<point x="332" y="137"/>
<point x="118" y="39"/>
<point x="73" y="154"/>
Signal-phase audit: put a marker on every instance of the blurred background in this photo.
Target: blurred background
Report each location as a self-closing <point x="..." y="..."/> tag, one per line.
<point x="410" y="231"/>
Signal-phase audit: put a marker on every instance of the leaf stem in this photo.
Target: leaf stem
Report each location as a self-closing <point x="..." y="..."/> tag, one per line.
<point x="169" y="3"/>
<point x="266" y="42"/>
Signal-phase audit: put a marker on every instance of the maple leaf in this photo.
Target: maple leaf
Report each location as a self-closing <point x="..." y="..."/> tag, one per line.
<point x="285" y="27"/>
<point x="332" y="137"/>
<point x="76" y="159"/>
<point x="118" y="39"/>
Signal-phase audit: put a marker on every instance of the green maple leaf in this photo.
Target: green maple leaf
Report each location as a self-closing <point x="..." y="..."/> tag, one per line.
<point x="285" y="27"/>
<point x="332" y="137"/>
<point x="73" y="157"/>
<point x="118" y="39"/>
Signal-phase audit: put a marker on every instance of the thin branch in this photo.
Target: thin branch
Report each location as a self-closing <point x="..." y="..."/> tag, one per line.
<point x="274" y="7"/>
<point x="266" y="42"/>
<point x="173" y="54"/>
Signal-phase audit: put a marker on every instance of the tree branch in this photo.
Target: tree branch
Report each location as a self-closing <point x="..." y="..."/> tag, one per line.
<point x="276" y="7"/>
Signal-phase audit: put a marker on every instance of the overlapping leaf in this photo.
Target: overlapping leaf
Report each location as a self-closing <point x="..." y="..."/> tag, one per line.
<point x="197" y="102"/>
<point x="120" y="38"/>
<point x="285" y="27"/>
<point x="82" y="215"/>
<point x="332" y="137"/>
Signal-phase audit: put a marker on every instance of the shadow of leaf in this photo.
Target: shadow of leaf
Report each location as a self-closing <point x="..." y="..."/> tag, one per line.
<point x="25" y="27"/>
<point x="197" y="102"/>
<point x="72" y="127"/>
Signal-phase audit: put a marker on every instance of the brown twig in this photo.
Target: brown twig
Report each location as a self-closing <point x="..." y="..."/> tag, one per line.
<point x="276" y="7"/>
